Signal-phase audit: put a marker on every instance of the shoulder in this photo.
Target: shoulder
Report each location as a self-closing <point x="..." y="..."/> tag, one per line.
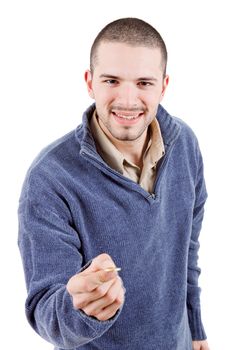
<point x="189" y="140"/>
<point x="177" y="133"/>
<point x="55" y="152"/>
<point x="186" y="129"/>
<point x="173" y="127"/>
<point x="51" y="163"/>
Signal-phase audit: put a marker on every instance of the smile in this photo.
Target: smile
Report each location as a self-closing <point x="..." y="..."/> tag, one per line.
<point x="127" y="115"/>
<point x="127" y="118"/>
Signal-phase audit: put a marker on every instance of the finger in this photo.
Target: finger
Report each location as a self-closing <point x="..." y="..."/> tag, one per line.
<point x="111" y="310"/>
<point x="81" y="300"/>
<point x="87" y="281"/>
<point x="196" y="345"/>
<point x="110" y="297"/>
<point x="96" y="306"/>
<point x="101" y="262"/>
<point x="84" y="283"/>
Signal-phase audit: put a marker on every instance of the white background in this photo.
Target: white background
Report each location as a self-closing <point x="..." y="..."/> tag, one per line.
<point x="44" y="52"/>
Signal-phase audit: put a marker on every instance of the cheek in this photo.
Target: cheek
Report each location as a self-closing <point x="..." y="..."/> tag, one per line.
<point x="103" y="96"/>
<point x="103" y="103"/>
<point x="152" y="101"/>
<point x="107" y="98"/>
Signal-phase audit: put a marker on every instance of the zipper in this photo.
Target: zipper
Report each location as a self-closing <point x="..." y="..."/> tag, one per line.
<point x="101" y="166"/>
<point x="150" y="196"/>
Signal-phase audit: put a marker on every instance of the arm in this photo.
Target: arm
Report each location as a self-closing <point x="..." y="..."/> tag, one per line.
<point x="51" y="254"/>
<point x="193" y="290"/>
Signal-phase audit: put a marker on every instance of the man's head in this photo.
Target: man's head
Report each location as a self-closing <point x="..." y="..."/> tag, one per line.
<point x="133" y="32"/>
<point x="127" y="78"/>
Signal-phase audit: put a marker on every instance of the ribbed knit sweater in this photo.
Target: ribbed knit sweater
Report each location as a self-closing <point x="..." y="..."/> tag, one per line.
<point x="74" y="207"/>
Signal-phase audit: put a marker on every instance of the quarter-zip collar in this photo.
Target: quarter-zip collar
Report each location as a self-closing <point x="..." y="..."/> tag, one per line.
<point x="169" y="127"/>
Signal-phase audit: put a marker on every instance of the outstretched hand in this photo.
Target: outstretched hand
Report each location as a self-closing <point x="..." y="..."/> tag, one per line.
<point x="97" y="292"/>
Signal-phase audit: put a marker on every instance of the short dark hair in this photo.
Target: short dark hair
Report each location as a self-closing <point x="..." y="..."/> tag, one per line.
<point x="131" y="31"/>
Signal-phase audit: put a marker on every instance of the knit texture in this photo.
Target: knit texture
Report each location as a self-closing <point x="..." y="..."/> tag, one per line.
<point x="73" y="206"/>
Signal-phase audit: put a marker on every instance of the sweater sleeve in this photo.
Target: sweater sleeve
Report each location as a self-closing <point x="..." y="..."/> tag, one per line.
<point x="193" y="290"/>
<point x="51" y="253"/>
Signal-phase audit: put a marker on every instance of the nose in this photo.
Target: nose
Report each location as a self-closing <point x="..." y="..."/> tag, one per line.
<point x="127" y="96"/>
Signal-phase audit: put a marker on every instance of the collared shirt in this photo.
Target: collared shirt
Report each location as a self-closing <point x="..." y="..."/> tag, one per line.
<point x="145" y="177"/>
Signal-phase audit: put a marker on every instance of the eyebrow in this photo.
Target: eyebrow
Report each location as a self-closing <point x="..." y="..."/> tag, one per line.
<point x="110" y="76"/>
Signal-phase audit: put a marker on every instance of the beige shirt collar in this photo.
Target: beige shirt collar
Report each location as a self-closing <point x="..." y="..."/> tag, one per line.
<point x="105" y="147"/>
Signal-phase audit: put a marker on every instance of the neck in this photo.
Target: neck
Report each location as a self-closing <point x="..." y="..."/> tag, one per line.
<point x="133" y="150"/>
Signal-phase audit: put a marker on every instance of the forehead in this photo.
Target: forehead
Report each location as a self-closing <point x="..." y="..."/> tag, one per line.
<point x="116" y="58"/>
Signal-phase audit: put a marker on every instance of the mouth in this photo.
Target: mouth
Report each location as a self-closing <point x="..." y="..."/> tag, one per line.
<point x="126" y="117"/>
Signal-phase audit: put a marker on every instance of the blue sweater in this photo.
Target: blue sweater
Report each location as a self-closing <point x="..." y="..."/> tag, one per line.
<point x="73" y="207"/>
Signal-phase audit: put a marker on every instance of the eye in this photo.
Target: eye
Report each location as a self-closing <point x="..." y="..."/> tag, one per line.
<point x="145" y="83"/>
<point x="111" y="81"/>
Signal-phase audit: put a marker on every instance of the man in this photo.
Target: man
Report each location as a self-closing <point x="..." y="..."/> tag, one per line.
<point x="124" y="190"/>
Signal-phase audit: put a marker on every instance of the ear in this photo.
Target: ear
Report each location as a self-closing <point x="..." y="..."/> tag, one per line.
<point x="165" y="84"/>
<point x="88" y="80"/>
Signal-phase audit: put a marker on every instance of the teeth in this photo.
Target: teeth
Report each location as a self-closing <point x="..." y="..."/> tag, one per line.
<point x="129" y="117"/>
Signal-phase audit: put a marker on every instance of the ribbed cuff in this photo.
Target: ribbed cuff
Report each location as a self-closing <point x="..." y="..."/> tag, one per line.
<point x="195" y="324"/>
